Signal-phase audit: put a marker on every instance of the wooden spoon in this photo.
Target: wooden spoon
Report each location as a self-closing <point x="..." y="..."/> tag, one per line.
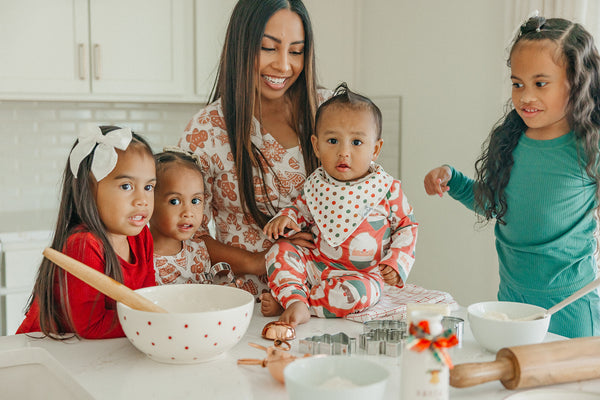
<point x="101" y="282"/>
<point x="578" y="294"/>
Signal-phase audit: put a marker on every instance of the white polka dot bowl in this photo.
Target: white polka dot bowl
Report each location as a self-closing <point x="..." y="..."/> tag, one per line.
<point x="202" y="323"/>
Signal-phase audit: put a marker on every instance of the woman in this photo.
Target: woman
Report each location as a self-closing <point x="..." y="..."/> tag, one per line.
<point x="254" y="138"/>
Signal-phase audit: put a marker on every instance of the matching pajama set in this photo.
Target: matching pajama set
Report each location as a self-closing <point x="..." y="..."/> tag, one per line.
<point x="356" y="226"/>
<point x="187" y="266"/>
<point x="206" y="135"/>
<point x="546" y="249"/>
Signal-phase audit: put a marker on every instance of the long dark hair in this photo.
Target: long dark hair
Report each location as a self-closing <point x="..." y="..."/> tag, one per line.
<point x="577" y="50"/>
<point x="77" y="212"/>
<point x="236" y="84"/>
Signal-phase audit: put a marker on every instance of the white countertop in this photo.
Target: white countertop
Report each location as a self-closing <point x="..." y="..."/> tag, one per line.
<point x="114" y="369"/>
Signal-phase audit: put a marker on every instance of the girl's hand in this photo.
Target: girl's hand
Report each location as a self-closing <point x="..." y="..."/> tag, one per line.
<point x="389" y="275"/>
<point x="277" y="226"/>
<point x="436" y="181"/>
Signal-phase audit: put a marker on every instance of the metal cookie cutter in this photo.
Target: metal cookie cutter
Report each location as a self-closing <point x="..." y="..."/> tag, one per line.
<point x="219" y="274"/>
<point x="340" y="343"/>
<point x="383" y="337"/>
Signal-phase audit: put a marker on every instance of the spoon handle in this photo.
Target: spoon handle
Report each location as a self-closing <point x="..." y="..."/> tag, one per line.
<point x="101" y="282"/>
<point x="580" y="293"/>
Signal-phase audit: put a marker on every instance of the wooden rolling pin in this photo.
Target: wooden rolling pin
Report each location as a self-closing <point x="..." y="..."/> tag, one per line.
<point x="534" y="365"/>
<point x="104" y="284"/>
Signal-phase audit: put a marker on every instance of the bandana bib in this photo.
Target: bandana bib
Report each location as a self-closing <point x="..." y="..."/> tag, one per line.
<point x="338" y="208"/>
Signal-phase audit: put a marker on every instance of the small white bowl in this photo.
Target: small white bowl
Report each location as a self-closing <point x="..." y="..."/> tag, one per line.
<point x="203" y="322"/>
<point x="335" y="378"/>
<point x="493" y="333"/>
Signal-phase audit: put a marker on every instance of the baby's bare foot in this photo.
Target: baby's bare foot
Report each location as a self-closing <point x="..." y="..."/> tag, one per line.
<point x="296" y="313"/>
<point x="269" y="306"/>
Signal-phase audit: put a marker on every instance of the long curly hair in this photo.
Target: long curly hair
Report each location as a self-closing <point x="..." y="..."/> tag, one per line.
<point x="577" y="50"/>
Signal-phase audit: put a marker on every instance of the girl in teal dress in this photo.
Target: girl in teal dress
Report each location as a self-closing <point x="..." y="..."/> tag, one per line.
<point x="538" y="174"/>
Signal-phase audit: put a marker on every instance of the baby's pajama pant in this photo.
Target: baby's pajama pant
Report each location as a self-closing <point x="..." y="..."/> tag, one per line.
<point x="330" y="288"/>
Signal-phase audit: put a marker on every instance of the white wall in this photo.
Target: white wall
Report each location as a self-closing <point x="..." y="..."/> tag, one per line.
<point x="446" y="60"/>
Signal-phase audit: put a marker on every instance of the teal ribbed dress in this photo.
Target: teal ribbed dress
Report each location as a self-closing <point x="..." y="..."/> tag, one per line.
<point x="546" y="249"/>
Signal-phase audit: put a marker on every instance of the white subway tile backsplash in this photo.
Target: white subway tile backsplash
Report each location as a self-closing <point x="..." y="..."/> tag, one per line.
<point x="144" y="115"/>
<point x="37" y="115"/>
<point x="110" y="116"/>
<point x="74" y="114"/>
<point x="36" y="137"/>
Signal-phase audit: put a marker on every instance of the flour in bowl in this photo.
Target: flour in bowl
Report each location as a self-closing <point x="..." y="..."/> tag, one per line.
<point x="337" y="382"/>
<point x="496" y="315"/>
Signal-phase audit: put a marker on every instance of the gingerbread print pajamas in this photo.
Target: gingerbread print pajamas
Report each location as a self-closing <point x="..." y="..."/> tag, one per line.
<point x="357" y="226"/>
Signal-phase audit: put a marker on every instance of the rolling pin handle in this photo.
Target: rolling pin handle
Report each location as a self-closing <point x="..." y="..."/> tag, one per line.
<point x="471" y="374"/>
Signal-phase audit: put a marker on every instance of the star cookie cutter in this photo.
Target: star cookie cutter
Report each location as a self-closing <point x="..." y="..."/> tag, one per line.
<point x="340" y="343"/>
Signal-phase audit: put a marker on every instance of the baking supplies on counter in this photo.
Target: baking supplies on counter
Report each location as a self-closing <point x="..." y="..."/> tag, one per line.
<point x="494" y="333"/>
<point x="535" y="365"/>
<point x="203" y="322"/>
<point x="425" y="362"/>
<point x="383" y="337"/>
<point x="326" y="377"/>
<point x="338" y="344"/>
<point x="278" y="357"/>
<point x="277" y="330"/>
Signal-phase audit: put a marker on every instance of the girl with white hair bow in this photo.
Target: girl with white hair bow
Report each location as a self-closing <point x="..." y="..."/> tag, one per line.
<point x="107" y="199"/>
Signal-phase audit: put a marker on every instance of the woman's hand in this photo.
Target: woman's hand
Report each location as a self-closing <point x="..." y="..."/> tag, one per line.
<point x="256" y="263"/>
<point x="436" y="181"/>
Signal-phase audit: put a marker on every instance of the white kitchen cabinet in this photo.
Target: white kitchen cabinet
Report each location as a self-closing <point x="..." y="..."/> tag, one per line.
<point x="44" y="46"/>
<point x="104" y="47"/>
<point x="20" y="257"/>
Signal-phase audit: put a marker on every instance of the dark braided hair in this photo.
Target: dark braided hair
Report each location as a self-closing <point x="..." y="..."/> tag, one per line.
<point x="577" y="51"/>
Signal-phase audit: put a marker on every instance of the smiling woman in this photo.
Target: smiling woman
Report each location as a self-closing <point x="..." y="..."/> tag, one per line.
<point x="253" y="140"/>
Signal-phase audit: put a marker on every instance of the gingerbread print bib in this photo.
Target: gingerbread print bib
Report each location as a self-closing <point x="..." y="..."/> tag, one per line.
<point x="338" y="208"/>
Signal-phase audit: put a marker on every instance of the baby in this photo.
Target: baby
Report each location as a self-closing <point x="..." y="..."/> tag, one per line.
<point x="179" y="257"/>
<point x="362" y="223"/>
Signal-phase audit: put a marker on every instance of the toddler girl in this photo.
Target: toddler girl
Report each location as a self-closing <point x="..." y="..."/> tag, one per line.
<point x="179" y="256"/>
<point x="362" y="223"/>
<point x="538" y="174"/>
<point x="107" y="199"/>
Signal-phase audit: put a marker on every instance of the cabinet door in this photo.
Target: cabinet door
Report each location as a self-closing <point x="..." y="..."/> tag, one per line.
<point x="212" y="18"/>
<point x="44" y="46"/>
<point x="142" y="46"/>
<point x="335" y="28"/>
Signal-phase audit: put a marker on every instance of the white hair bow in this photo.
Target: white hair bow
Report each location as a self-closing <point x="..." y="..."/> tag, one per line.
<point x="105" y="156"/>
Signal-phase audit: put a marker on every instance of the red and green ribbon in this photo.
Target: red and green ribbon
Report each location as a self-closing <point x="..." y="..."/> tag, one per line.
<point x="421" y="339"/>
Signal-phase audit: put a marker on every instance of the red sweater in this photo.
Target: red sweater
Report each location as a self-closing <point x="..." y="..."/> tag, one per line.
<point x="94" y="314"/>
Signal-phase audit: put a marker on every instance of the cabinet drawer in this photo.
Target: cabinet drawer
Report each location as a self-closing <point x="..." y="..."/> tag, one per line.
<point x="20" y="267"/>
<point x="14" y="307"/>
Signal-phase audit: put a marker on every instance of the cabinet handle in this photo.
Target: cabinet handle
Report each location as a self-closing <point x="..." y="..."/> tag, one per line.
<point x="97" y="62"/>
<point x="81" y="51"/>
